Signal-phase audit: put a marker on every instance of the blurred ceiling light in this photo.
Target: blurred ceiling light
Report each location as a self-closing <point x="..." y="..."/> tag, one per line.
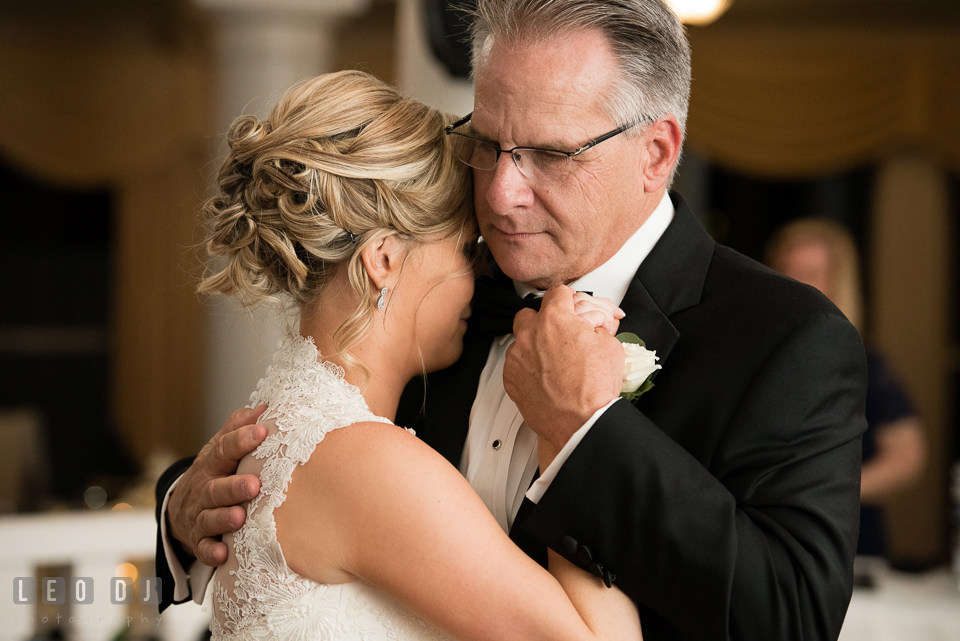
<point x="699" y="12"/>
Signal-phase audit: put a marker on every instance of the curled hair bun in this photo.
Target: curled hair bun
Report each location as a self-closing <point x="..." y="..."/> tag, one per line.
<point x="340" y="154"/>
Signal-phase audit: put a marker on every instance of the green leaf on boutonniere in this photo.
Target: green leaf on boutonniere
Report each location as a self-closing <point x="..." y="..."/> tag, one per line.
<point x="646" y="387"/>
<point x="630" y="337"/>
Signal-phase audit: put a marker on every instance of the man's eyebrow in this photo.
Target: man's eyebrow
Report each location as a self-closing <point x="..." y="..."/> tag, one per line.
<point x="470" y="129"/>
<point x="550" y="145"/>
<point x="554" y="145"/>
<point x="473" y="131"/>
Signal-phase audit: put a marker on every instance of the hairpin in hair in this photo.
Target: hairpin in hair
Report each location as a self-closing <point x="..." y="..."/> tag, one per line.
<point x="353" y="239"/>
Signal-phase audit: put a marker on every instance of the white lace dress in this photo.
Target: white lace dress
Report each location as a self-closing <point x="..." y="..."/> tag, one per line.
<point x="256" y="595"/>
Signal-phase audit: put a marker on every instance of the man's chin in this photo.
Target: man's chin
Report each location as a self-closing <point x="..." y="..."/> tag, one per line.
<point x="521" y="264"/>
<point x="532" y="275"/>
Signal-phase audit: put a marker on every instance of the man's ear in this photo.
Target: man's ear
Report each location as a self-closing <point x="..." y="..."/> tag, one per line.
<point x="661" y="140"/>
<point x="383" y="259"/>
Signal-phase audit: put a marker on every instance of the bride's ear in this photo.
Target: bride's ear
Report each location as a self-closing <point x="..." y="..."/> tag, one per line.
<point x="383" y="260"/>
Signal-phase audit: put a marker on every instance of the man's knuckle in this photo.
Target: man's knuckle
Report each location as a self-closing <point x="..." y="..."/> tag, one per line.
<point x="221" y="449"/>
<point x="208" y="494"/>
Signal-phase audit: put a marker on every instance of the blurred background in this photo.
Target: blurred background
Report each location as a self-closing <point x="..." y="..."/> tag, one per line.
<point x="112" y="116"/>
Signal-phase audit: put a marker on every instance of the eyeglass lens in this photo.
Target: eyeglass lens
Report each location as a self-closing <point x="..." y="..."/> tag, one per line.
<point x="532" y="163"/>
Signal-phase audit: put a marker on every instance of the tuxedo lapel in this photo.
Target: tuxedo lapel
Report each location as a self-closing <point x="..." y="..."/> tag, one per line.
<point x="675" y="270"/>
<point x="645" y="319"/>
<point x="669" y="280"/>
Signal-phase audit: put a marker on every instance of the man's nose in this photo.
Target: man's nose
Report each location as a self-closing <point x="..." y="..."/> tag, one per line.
<point x="508" y="187"/>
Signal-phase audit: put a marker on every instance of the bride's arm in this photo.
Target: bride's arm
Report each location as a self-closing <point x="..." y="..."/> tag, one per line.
<point x="375" y="502"/>
<point x="586" y="591"/>
<point x="602" y="609"/>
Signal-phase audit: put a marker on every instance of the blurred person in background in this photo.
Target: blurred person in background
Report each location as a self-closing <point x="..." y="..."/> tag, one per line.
<point x="822" y="253"/>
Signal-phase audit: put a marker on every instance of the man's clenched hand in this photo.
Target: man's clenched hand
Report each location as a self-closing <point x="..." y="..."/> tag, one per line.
<point x="565" y="364"/>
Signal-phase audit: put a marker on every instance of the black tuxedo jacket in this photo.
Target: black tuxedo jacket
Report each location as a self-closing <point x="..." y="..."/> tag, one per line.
<point x="725" y="500"/>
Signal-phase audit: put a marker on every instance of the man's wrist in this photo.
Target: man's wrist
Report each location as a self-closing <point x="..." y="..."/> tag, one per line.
<point x="558" y="428"/>
<point x="546" y="453"/>
<point x="577" y="420"/>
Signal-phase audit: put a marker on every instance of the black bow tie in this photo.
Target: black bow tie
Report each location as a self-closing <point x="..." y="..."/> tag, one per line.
<point x="495" y="303"/>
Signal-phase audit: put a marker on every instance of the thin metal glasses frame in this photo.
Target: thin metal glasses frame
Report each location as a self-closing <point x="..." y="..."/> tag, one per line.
<point x="449" y="129"/>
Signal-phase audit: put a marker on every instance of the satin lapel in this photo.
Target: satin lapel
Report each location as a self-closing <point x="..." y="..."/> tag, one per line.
<point x="669" y="280"/>
<point x="645" y="319"/>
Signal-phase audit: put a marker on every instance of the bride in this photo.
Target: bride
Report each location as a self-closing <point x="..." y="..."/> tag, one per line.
<point x="349" y="202"/>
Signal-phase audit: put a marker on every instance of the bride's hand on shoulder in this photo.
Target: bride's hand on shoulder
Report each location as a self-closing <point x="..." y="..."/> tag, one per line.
<point x="205" y="502"/>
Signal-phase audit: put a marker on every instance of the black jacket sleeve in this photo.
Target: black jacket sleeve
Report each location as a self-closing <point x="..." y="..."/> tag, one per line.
<point x="756" y="538"/>
<point x="171" y="474"/>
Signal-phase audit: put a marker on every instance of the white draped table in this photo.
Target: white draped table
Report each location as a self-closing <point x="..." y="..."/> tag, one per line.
<point x="93" y="544"/>
<point x="904" y="607"/>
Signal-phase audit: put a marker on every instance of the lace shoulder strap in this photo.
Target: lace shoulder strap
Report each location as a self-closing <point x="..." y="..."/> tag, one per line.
<point x="307" y="398"/>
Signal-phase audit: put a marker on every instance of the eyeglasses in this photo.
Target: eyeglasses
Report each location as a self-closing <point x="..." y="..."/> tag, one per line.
<point x="536" y="164"/>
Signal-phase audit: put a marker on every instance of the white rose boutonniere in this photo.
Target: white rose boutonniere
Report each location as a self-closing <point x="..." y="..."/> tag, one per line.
<point x="638" y="366"/>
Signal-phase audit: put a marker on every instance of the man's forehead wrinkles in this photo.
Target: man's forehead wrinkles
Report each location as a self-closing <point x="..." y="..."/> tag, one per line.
<point x="543" y="127"/>
<point x="523" y="99"/>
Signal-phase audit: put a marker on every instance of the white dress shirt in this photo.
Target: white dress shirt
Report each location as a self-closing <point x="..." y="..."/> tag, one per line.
<point x="500" y="455"/>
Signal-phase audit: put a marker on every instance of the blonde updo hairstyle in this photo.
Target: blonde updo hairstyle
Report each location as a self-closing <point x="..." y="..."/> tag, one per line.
<point x="342" y="161"/>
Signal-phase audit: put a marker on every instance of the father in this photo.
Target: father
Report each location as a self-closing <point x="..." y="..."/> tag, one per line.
<point x="724" y="501"/>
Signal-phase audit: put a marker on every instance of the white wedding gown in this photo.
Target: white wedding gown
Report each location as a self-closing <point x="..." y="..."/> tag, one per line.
<point x="256" y="595"/>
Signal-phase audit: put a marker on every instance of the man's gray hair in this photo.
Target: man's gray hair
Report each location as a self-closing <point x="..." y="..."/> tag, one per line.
<point x="646" y="37"/>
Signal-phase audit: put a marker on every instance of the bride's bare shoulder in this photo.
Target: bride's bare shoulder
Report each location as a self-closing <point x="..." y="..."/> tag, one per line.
<point x="361" y="481"/>
<point x="380" y="466"/>
<point x="373" y="448"/>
